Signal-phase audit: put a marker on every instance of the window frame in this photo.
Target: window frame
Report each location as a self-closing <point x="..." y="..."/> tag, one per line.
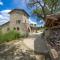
<point x="18" y="21"/>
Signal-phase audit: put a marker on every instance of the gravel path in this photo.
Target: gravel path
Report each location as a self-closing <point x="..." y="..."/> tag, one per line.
<point x="18" y="50"/>
<point x="36" y="43"/>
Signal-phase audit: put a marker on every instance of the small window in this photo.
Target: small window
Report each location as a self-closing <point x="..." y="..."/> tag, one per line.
<point x="25" y="21"/>
<point x="8" y="29"/>
<point x="18" y="28"/>
<point x="18" y="21"/>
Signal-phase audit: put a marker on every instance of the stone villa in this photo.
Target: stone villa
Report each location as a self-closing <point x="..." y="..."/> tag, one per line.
<point x="18" y="21"/>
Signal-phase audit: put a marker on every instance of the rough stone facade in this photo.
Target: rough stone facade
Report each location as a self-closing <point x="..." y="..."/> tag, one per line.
<point x="4" y="28"/>
<point x="19" y="20"/>
<point x="53" y="38"/>
<point x="52" y="35"/>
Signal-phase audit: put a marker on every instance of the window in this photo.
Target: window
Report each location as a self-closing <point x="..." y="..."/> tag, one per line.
<point x="8" y="29"/>
<point x="25" y="21"/>
<point x="35" y="25"/>
<point x="18" y="28"/>
<point x="18" y="21"/>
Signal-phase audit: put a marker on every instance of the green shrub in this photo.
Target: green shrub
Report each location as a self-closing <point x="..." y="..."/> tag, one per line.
<point x="12" y="35"/>
<point x="24" y="34"/>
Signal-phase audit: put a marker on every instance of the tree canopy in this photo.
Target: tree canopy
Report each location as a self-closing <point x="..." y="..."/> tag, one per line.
<point x="43" y="7"/>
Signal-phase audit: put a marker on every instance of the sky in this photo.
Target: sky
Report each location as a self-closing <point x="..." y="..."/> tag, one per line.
<point x="8" y="5"/>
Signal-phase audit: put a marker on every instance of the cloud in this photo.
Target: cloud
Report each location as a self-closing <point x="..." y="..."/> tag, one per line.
<point x="4" y="16"/>
<point x="5" y="11"/>
<point x="37" y="22"/>
<point x="32" y="22"/>
<point x="1" y="3"/>
<point x="19" y="1"/>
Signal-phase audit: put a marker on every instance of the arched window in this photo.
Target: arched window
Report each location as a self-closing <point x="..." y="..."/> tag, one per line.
<point x="8" y="29"/>
<point x="18" y="28"/>
<point x="18" y="21"/>
<point x="25" y="21"/>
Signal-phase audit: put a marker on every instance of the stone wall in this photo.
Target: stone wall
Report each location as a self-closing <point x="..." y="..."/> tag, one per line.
<point x="53" y="38"/>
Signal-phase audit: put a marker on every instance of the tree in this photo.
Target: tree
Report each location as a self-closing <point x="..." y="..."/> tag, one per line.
<point x="43" y="7"/>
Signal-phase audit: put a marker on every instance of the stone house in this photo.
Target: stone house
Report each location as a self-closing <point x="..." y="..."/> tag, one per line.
<point x="35" y="28"/>
<point x="4" y="27"/>
<point x="18" y="21"/>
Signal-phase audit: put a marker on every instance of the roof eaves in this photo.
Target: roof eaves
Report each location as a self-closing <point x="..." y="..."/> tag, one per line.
<point x="19" y="10"/>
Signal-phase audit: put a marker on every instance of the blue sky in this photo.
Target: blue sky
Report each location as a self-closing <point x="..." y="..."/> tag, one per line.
<point x="7" y="5"/>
